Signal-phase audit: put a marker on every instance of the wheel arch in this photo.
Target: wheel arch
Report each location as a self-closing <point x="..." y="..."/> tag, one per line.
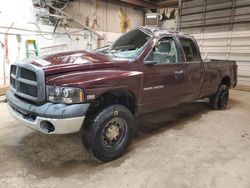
<point x="226" y="80"/>
<point x="119" y="96"/>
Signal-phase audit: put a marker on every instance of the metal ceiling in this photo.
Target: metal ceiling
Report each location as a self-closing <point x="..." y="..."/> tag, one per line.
<point x="152" y="4"/>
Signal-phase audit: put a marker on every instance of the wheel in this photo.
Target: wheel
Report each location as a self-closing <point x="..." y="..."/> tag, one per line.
<point x="107" y="135"/>
<point x="220" y="99"/>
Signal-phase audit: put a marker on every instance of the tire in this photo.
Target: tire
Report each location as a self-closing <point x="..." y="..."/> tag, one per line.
<point x="108" y="133"/>
<point x="220" y="99"/>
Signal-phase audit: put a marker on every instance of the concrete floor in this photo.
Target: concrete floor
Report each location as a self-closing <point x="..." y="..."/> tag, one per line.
<point x="190" y="146"/>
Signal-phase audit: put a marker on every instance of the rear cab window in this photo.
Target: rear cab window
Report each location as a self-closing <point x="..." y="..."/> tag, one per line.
<point x="190" y="50"/>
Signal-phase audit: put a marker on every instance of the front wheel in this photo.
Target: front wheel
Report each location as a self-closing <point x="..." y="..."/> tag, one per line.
<point x="109" y="133"/>
<point x="220" y="99"/>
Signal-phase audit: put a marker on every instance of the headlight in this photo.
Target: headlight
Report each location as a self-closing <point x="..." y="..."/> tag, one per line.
<point x="67" y="95"/>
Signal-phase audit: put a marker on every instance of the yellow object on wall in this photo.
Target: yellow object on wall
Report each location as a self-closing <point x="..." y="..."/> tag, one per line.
<point x="125" y="22"/>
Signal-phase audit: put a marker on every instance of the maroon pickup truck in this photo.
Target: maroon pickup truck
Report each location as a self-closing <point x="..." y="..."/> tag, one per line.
<point x="99" y="93"/>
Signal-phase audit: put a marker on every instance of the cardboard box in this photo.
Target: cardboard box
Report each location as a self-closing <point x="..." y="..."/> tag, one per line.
<point x="3" y="90"/>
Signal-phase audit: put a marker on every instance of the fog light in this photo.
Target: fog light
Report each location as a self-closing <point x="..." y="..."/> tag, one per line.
<point x="47" y="127"/>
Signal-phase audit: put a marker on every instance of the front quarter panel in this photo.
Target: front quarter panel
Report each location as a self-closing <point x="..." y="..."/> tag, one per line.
<point x="95" y="83"/>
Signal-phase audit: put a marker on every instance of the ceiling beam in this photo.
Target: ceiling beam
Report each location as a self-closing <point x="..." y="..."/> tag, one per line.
<point x="168" y="4"/>
<point x="152" y="5"/>
<point x="140" y="3"/>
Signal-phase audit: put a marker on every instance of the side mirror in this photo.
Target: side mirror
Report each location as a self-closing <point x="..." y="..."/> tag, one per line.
<point x="150" y="62"/>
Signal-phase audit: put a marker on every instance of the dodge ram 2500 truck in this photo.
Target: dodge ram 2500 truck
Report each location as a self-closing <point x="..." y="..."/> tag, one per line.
<point x="99" y="93"/>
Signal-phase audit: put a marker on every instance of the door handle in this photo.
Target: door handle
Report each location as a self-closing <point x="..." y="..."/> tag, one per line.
<point x="178" y="72"/>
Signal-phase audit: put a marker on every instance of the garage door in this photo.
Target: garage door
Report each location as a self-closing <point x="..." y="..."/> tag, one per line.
<point x="222" y="29"/>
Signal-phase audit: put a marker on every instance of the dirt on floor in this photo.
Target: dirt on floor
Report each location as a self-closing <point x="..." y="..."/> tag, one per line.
<point x="189" y="146"/>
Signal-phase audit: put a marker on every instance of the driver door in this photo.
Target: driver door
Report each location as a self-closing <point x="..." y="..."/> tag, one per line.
<point x="163" y="76"/>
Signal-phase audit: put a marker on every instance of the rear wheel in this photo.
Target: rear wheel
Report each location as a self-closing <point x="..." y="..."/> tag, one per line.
<point x="220" y="99"/>
<point x="109" y="133"/>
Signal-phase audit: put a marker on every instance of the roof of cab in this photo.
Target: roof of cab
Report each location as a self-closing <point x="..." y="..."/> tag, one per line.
<point x="154" y="31"/>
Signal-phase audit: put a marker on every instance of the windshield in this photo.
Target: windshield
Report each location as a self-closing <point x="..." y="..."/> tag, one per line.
<point x="129" y="45"/>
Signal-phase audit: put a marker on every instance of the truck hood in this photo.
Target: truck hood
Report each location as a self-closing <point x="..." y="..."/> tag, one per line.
<point x="96" y="82"/>
<point x="95" y="78"/>
<point x="75" y="61"/>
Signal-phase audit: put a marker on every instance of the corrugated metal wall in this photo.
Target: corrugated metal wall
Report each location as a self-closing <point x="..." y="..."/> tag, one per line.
<point x="222" y="29"/>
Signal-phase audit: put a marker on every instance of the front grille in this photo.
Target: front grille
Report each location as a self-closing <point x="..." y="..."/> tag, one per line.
<point x="13" y="71"/>
<point x="28" y="74"/>
<point x="27" y="81"/>
<point x="28" y="89"/>
<point x="12" y="82"/>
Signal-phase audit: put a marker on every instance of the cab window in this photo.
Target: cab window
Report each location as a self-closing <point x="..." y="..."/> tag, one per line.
<point x="190" y="50"/>
<point x="165" y="52"/>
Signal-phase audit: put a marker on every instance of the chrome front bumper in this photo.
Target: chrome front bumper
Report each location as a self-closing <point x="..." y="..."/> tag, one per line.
<point x="48" y="118"/>
<point x="61" y="126"/>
